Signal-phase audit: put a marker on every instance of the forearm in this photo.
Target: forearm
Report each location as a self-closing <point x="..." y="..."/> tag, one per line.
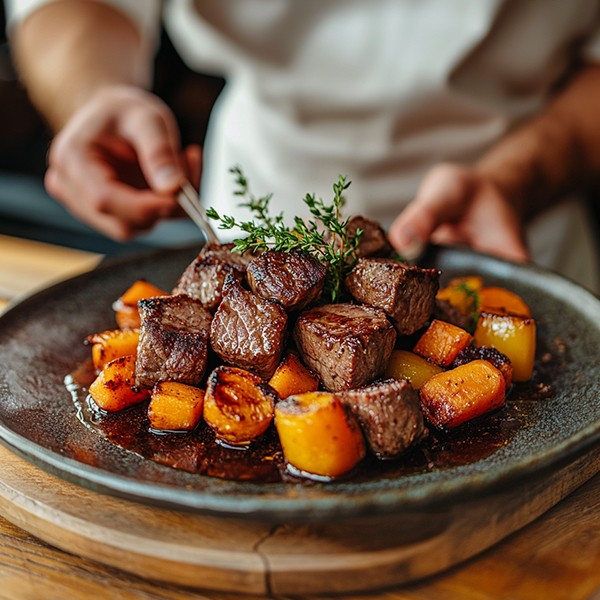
<point x="555" y="153"/>
<point x="68" y="50"/>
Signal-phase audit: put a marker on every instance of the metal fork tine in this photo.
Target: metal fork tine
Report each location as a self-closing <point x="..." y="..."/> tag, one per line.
<point x="190" y="202"/>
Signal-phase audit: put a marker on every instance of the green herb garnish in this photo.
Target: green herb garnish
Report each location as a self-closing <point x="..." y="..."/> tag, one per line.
<point x="325" y="237"/>
<point x="473" y="303"/>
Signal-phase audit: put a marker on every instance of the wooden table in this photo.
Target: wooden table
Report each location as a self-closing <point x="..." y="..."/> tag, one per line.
<point x="557" y="556"/>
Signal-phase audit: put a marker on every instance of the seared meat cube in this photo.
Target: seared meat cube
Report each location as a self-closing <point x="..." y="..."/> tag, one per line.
<point x="248" y="331"/>
<point x="373" y="240"/>
<point x="346" y="345"/>
<point x="445" y="311"/>
<point x="173" y="341"/>
<point x="405" y="293"/>
<point x="389" y="413"/>
<point x="499" y="360"/>
<point x="203" y="278"/>
<point x="293" y="279"/>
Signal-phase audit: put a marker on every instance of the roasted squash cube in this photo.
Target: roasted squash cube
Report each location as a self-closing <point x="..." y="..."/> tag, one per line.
<point x="462" y="293"/>
<point x="111" y="344"/>
<point x="453" y="397"/>
<point x="512" y="335"/>
<point x="292" y="377"/>
<point x="114" y="389"/>
<point x="408" y="365"/>
<point x="175" y="406"/>
<point x="441" y="342"/>
<point x="238" y="405"/>
<point x="318" y="435"/>
<point x="125" y="307"/>
<point x="502" y="301"/>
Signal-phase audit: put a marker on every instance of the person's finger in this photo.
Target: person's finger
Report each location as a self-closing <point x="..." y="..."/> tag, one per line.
<point x="443" y="197"/>
<point x="153" y="133"/>
<point x="192" y="156"/>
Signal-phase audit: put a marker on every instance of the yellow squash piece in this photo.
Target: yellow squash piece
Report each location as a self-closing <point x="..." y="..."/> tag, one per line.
<point x="292" y="377"/>
<point x="502" y="301"/>
<point x="125" y="307"/>
<point x="175" y="406"/>
<point x="111" y="344"/>
<point x="512" y="335"/>
<point x="114" y="389"/>
<point x="318" y="436"/>
<point x="463" y="393"/>
<point x="462" y="293"/>
<point x="238" y="405"/>
<point x="442" y="342"/>
<point x="408" y="365"/>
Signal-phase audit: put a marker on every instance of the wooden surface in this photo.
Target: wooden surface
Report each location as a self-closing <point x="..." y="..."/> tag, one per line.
<point x="556" y="556"/>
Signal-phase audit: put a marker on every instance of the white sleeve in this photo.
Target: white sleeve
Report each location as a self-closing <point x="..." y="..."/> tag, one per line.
<point x="145" y="14"/>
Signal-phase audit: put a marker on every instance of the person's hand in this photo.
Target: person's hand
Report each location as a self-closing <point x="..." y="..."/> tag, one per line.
<point x="117" y="162"/>
<point x="459" y="205"/>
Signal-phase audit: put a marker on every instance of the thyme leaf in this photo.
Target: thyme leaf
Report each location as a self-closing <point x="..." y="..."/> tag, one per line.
<point x="325" y="236"/>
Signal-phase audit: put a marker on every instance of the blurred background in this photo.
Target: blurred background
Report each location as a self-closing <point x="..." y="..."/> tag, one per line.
<point x="26" y="210"/>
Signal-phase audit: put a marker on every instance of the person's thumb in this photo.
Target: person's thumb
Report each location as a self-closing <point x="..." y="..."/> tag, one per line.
<point x="441" y="198"/>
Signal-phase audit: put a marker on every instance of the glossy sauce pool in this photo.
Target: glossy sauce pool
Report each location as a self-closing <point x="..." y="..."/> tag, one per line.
<point x="262" y="461"/>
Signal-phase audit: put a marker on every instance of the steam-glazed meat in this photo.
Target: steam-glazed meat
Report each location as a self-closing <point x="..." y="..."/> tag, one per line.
<point x="346" y="345"/>
<point x="204" y="276"/>
<point x="248" y="331"/>
<point x="405" y="293"/>
<point x="173" y="340"/>
<point x="390" y="415"/>
<point x="293" y="279"/>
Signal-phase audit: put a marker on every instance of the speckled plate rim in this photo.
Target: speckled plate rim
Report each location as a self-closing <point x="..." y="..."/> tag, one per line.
<point x="275" y="502"/>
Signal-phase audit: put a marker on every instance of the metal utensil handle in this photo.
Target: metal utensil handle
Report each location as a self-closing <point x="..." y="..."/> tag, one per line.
<point x="189" y="201"/>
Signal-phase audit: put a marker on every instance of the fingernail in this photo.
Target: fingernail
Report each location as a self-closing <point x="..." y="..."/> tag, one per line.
<point x="412" y="247"/>
<point x="167" y="178"/>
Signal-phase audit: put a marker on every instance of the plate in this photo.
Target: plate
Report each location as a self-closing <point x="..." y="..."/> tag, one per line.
<point x="41" y="342"/>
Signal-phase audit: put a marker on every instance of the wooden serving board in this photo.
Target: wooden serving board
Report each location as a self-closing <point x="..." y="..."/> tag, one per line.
<point x="271" y="558"/>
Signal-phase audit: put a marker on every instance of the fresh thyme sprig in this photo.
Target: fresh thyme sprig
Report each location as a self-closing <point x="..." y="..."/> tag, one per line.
<point x="325" y="237"/>
<point x="474" y="303"/>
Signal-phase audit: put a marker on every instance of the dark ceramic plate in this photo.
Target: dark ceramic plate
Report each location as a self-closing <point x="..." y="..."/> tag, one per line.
<point x="40" y="342"/>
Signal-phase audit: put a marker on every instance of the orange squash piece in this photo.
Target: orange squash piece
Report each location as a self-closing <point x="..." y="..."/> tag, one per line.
<point x="125" y="307"/>
<point x="453" y="397"/>
<point x="441" y="342"/>
<point x="292" y="377"/>
<point x="175" y="406"/>
<point x="238" y="405"/>
<point x="408" y="365"/>
<point x="318" y="436"/>
<point x="512" y="335"/>
<point x="502" y="301"/>
<point x="112" y="343"/>
<point x="114" y="389"/>
<point x="462" y="293"/>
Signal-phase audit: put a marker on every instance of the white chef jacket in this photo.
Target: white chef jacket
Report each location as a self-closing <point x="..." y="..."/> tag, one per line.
<point x="379" y="91"/>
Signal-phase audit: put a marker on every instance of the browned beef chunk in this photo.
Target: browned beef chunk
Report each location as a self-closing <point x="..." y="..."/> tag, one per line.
<point x="499" y="360"/>
<point x="248" y="331"/>
<point x="204" y="276"/>
<point x="373" y="240"/>
<point x="173" y="340"/>
<point x="293" y="279"/>
<point x="405" y="293"/>
<point x="389" y="413"/>
<point x="444" y="311"/>
<point x="346" y="345"/>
